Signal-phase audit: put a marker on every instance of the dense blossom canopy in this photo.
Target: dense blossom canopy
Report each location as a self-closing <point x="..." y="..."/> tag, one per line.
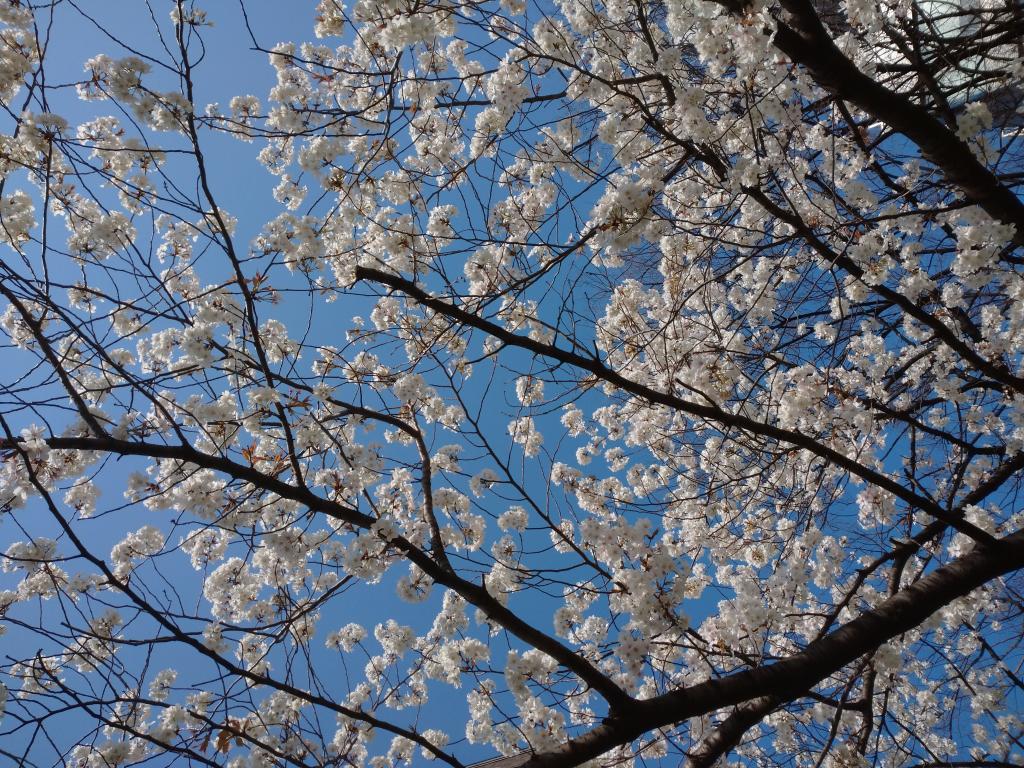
<point x="633" y="382"/>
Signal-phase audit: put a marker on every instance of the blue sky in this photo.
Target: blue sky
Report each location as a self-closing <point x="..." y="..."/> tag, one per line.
<point x="243" y="188"/>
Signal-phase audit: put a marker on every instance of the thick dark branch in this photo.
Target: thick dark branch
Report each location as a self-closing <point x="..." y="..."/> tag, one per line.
<point x="727" y="734"/>
<point x="806" y="41"/>
<point x="124" y="587"/>
<point x="712" y="413"/>
<point x="487" y="102"/>
<point x="792" y="677"/>
<point x="475" y="594"/>
<point x="996" y="370"/>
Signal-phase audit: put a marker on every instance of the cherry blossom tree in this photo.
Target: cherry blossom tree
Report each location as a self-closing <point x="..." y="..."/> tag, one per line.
<point x="611" y="383"/>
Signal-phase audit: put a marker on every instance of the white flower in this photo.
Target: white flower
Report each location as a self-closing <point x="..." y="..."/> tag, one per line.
<point x="529" y="390"/>
<point x="159" y="687"/>
<point x="143" y="543"/>
<point x="514" y="519"/>
<point x="346" y="638"/>
<point x="524" y="432"/>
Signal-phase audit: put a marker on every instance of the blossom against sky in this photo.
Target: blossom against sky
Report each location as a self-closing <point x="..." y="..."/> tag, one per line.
<point x="623" y="384"/>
